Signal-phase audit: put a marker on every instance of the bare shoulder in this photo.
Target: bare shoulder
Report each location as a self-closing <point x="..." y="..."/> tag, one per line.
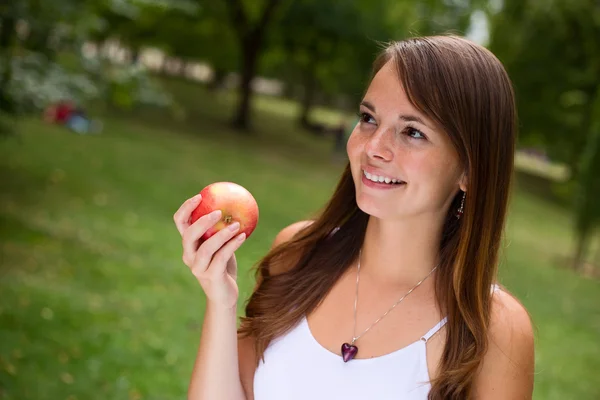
<point x="508" y="366"/>
<point x="289" y="232"/>
<point x="285" y="235"/>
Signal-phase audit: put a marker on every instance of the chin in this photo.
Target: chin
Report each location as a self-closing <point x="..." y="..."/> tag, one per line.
<point x="369" y="207"/>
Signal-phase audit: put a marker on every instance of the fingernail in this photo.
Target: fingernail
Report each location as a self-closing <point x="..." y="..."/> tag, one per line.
<point x="196" y="198"/>
<point x="234" y="227"/>
<point x="215" y="215"/>
<point x="241" y="236"/>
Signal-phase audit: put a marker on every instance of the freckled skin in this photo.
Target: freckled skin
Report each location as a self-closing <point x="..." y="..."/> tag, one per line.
<point x="420" y="154"/>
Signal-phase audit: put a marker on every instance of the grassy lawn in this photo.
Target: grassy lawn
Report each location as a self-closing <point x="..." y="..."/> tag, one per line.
<point x="96" y="303"/>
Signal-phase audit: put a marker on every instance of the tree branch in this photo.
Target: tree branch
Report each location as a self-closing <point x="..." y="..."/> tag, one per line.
<point x="238" y="16"/>
<point x="265" y="18"/>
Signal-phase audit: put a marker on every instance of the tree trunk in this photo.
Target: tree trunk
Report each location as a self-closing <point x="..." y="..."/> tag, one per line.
<point x="580" y="252"/>
<point x="587" y="215"/>
<point x="7" y="36"/>
<point x="241" y="120"/>
<point x="308" y="97"/>
<point x="250" y="39"/>
<point x="579" y="143"/>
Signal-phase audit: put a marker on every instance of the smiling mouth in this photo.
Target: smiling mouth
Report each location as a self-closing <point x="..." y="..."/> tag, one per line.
<point x="382" y="179"/>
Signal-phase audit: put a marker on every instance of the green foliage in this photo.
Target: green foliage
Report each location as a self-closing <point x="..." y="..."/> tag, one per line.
<point x="587" y="218"/>
<point x="37" y="82"/>
<point x="167" y="24"/>
<point x="332" y="43"/>
<point x="328" y="47"/>
<point x="130" y="86"/>
<point x="35" y="74"/>
<point x="552" y="52"/>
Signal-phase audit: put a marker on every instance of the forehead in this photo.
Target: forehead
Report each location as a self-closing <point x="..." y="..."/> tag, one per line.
<point x="386" y="90"/>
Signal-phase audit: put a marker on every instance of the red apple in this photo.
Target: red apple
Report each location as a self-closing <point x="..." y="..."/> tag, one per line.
<point x="236" y="204"/>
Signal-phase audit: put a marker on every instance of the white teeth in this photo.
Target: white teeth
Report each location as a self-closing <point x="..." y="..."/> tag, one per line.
<point x="381" y="179"/>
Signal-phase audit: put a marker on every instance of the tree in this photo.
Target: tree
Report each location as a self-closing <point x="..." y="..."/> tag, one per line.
<point x="40" y="36"/>
<point x="334" y="56"/>
<point x="587" y="217"/>
<point x="553" y="57"/>
<point x="250" y="34"/>
<point x="9" y="14"/>
<point x="138" y="23"/>
<point x="324" y="46"/>
<point x="207" y="35"/>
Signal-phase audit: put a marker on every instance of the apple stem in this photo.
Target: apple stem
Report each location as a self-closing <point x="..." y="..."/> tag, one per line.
<point x="227" y="219"/>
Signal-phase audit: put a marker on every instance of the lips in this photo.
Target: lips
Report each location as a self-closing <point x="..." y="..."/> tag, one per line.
<point x="378" y="175"/>
<point x="382" y="179"/>
<point x="381" y="185"/>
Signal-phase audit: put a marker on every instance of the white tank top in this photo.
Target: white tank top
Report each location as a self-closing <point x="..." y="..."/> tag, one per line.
<point x="297" y="367"/>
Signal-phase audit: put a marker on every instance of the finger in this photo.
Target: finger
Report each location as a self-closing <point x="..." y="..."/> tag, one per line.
<point x="206" y="251"/>
<point x="191" y="236"/>
<point x="218" y="265"/>
<point x="221" y="258"/>
<point x="182" y="215"/>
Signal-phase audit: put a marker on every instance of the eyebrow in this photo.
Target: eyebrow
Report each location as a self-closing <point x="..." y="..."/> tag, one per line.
<point x="403" y="117"/>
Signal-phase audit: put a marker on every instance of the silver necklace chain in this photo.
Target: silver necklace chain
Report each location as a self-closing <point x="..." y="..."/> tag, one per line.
<point x="355" y="338"/>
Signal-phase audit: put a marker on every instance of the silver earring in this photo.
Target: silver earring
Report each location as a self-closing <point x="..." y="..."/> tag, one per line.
<point x="461" y="210"/>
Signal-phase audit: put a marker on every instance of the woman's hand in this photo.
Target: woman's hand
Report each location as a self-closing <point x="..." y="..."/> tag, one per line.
<point x="213" y="261"/>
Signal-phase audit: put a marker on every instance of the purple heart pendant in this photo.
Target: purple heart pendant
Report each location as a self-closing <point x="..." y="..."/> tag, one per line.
<point x="348" y="351"/>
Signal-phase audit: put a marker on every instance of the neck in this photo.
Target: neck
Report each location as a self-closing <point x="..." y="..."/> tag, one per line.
<point x="400" y="253"/>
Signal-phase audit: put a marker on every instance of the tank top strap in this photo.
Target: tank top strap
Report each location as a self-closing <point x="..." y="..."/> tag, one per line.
<point x="439" y="325"/>
<point x="433" y="330"/>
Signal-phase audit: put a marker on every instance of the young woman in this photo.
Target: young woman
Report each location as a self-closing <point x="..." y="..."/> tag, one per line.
<point x="390" y="292"/>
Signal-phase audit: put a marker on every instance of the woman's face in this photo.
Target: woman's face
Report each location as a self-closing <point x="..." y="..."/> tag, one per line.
<point x="393" y="142"/>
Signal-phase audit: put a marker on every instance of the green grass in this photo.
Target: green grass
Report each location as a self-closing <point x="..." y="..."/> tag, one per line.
<point x="96" y="303"/>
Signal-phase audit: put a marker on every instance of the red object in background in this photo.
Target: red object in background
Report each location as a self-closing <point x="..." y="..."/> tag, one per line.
<point x="63" y="112"/>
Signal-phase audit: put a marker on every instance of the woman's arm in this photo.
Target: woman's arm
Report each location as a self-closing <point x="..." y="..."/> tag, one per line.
<point x="508" y="366"/>
<point x="215" y="374"/>
<point x="212" y="262"/>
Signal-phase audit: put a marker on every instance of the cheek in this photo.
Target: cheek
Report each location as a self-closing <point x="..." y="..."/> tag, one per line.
<point x="354" y="149"/>
<point x="440" y="173"/>
<point x="353" y="145"/>
<point x="419" y="165"/>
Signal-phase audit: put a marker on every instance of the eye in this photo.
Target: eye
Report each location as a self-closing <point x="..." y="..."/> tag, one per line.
<point x="366" y="118"/>
<point x="415" y="133"/>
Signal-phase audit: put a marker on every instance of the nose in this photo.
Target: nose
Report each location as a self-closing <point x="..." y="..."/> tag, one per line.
<point x="379" y="145"/>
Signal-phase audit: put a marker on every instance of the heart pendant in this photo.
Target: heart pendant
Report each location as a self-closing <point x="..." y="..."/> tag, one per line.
<point x="348" y="351"/>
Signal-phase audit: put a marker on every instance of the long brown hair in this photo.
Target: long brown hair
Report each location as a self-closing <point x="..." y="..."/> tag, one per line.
<point x="464" y="89"/>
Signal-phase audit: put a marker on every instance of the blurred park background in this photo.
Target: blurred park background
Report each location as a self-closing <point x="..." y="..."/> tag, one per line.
<point x="172" y="95"/>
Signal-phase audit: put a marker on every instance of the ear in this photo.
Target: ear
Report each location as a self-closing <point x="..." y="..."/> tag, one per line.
<point x="463" y="183"/>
